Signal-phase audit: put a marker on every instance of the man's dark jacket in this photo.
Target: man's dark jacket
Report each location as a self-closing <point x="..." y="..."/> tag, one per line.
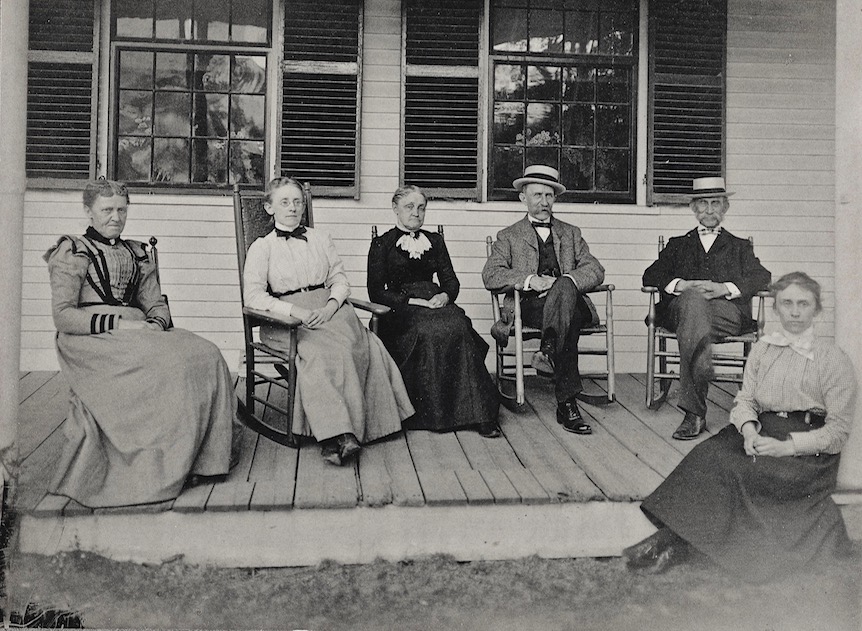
<point x="729" y="260"/>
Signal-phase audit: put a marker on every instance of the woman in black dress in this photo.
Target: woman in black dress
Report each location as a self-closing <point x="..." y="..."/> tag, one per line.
<point x="441" y="357"/>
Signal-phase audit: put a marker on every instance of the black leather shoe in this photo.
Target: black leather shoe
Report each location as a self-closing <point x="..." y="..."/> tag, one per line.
<point x="691" y="427"/>
<point x="543" y="363"/>
<point x="646" y="552"/>
<point x="569" y="416"/>
<point x="348" y="446"/>
<point x="330" y="452"/>
<point x="673" y="554"/>
<point x="489" y="430"/>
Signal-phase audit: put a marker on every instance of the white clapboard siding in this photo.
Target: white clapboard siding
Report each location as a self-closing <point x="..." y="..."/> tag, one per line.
<point x="780" y="163"/>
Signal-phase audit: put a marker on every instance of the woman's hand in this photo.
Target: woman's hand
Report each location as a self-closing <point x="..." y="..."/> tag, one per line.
<point x="766" y="446"/>
<point x="317" y="317"/>
<point x="132" y="325"/>
<point x="749" y="434"/>
<point x="439" y="300"/>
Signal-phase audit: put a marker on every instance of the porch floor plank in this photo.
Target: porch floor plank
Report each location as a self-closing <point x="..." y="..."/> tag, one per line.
<point x="487" y="453"/>
<point x="664" y="421"/>
<point x="637" y="437"/>
<point x="374" y="478"/>
<point x="194" y="499"/>
<point x="502" y="489"/>
<point x="540" y="451"/>
<point x="322" y="485"/>
<point x="403" y="479"/>
<point x="273" y="473"/>
<point x="42" y="413"/>
<point x="37" y="470"/>
<point x="528" y="487"/>
<point x="475" y="487"/>
<point x="441" y="487"/>
<point x="614" y="469"/>
<point x="30" y="382"/>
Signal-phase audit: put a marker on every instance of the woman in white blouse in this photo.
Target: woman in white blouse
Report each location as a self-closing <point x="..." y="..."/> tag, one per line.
<point x="756" y="497"/>
<point x="349" y="390"/>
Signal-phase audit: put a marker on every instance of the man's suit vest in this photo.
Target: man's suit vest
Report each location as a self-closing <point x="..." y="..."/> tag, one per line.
<point x="548" y="263"/>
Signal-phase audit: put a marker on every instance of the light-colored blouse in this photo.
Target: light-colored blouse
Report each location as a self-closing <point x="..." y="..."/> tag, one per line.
<point x="289" y="264"/>
<point x="780" y="379"/>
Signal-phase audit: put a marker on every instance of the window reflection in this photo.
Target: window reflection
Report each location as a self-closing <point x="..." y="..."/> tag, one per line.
<point x="574" y="108"/>
<point x="176" y="117"/>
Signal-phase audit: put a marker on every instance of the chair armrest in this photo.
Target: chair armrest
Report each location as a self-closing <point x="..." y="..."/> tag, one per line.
<point x="373" y="307"/>
<point x="763" y="293"/>
<point x="271" y="317"/>
<point x="607" y="287"/>
<point x="649" y="290"/>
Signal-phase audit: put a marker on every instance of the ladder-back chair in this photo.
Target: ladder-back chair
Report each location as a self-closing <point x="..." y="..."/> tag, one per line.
<point x="510" y="363"/>
<point x="251" y="221"/>
<point x="153" y="256"/>
<point x="659" y="352"/>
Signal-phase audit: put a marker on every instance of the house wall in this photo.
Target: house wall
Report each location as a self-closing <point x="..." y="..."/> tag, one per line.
<point x="780" y="162"/>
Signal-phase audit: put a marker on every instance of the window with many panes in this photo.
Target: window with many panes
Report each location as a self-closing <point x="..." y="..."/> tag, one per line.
<point x="190" y="91"/>
<point x="563" y="78"/>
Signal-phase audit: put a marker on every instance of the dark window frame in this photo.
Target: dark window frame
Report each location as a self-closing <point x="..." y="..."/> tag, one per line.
<point x="156" y="45"/>
<point x="580" y="60"/>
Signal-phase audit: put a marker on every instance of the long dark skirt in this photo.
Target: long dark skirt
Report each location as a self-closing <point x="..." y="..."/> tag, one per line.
<point x="758" y="518"/>
<point x="442" y="360"/>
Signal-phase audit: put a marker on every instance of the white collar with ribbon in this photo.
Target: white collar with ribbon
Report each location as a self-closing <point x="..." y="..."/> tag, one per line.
<point x="415" y="243"/>
<point x="802" y="343"/>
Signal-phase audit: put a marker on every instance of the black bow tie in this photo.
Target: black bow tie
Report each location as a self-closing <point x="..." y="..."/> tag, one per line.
<point x="704" y="230"/>
<point x="296" y="233"/>
<point x="541" y="224"/>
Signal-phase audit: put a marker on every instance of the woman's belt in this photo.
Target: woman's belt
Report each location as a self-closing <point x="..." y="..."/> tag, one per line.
<point x="814" y="418"/>
<point x="297" y="291"/>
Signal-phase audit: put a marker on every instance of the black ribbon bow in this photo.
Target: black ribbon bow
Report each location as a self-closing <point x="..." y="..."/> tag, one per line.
<point x="541" y="224"/>
<point x="296" y="233"/>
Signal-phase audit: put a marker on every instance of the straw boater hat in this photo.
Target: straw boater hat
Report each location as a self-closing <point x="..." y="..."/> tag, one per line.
<point x="708" y="187"/>
<point x="540" y="174"/>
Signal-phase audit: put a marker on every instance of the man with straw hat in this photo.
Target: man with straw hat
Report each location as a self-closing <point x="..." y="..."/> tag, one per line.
<point x="550" y="260"/>
<point x="707" y="279"/>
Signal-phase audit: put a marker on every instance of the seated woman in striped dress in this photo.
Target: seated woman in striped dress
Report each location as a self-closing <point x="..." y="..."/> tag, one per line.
<point x="151" y="406"/>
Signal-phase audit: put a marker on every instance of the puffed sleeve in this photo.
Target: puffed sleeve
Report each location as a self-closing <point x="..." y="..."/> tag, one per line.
<point x="67" y="269"/>
<point x="256" y="281"/>
<point x="838" y="385"/>
<point x="745" y="405"/>
<point x="150" y="299"/>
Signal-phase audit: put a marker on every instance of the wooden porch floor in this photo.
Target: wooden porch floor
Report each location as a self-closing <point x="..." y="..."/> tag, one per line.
<point x="415" y="493"/>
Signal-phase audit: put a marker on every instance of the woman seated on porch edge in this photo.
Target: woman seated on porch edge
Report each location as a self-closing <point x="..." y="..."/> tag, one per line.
<point x="756" y="497"/>
<point x="441" y="357"/>
<point x="151" y="406"/>
<point x="348" y="389"/>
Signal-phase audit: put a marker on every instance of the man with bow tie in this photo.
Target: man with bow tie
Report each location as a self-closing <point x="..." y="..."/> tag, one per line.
<point x="707" y="279"/>
<point x="550" y="261"/>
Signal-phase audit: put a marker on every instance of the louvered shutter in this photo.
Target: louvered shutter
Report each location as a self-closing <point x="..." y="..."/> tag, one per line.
<point x="61" y="91"/>
<point x="321" y="94"/>
<point x="441" y="96"/>
<point x="687" y="94"/>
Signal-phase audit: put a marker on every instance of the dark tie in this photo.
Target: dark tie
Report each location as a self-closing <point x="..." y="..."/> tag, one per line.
<point x="704" y="230"/>
<point x="297" y="233"/>
<point x="541" y="224"/>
